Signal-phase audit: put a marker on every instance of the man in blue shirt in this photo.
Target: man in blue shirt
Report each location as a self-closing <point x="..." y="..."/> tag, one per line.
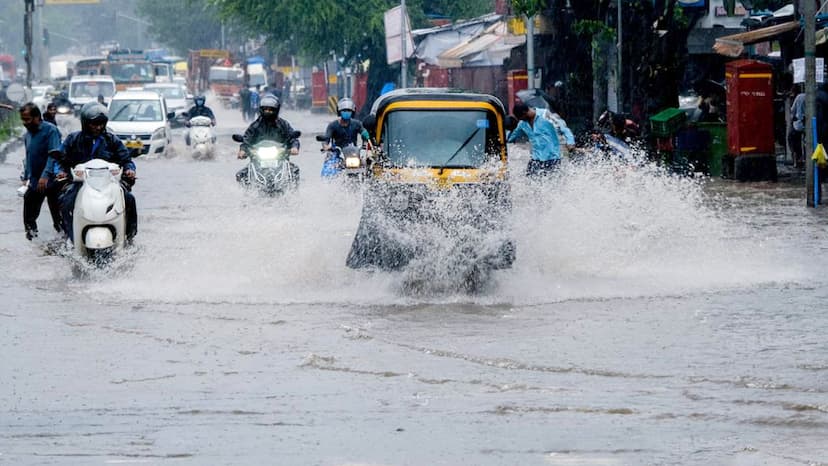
<point x="539" y="126"/>
<point x="42" y="145"/>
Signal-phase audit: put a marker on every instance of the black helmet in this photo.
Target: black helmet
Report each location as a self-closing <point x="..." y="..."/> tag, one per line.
<point x="199" y="101"/>
<point x="272" y="104"/>
<point x="93" y="112"/>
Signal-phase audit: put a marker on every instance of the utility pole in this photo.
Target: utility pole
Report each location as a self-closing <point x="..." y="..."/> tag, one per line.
<point x="619" y="73"/>
<point x="530" y="51"/>
<point x="811" y="188"/>
<point x="403" y="58"/>
<point x="27" y="40"/>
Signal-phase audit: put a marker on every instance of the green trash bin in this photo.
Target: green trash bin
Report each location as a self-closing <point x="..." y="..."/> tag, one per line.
<point x="718" y="145"/>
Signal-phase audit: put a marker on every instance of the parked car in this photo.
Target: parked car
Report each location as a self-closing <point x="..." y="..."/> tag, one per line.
<point x="141" y="120"/>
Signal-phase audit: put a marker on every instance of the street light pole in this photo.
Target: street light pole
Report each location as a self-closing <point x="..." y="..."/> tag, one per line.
<point x="811" y="187"/>
<point x="27" y="40"/>
<point x="530" y="51"/>
<point x="619" y="73"/>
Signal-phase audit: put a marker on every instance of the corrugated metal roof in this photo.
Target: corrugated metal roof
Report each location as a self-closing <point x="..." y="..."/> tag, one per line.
<point x="493" y="42"/>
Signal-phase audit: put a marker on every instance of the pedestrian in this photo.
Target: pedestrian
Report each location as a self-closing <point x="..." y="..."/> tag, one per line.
<point x="797" y="129"/>
<point x="244" y="98"/>
<point x="42" y="142"/>
<point x="255" y="97"/>
<point x="539" y="126"/>
<point x="51" y="114"/>
<point x="286" y="93"/>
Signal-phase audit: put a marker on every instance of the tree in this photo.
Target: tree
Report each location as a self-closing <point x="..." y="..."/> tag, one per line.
<point x="182" y="25"/>
<point x="352" y="29"/>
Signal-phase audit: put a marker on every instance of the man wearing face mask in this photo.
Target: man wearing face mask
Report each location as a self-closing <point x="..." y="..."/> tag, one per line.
<point x="268" y="127"/>
<point x="345" y="129"/>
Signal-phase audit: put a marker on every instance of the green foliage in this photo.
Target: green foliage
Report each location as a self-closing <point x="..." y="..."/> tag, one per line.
<point x="528" y="7"/>
<point x="182" y="25"/>
<point x="597" y="30"/>
<point x="9" y="124"/>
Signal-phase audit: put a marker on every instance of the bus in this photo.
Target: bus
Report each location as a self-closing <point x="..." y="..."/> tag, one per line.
<point x="88" y="66"/>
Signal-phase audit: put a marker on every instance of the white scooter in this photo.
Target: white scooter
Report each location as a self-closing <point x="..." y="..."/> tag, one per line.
<point x="202" y="139"/>
<point x="99" y="219"/>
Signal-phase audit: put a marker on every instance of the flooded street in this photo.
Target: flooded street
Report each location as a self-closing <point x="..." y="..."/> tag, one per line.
<point x="648" y="319"/>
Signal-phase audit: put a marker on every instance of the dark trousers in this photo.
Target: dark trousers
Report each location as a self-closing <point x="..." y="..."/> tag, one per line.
<point x="539" y="168"/>
<point x="795" y="143"/>
<point x="33" y="201"/>
<point x="67" y="207"/>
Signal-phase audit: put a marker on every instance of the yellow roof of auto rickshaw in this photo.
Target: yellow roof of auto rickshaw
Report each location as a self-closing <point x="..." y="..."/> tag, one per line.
<point x="434" y="94"/>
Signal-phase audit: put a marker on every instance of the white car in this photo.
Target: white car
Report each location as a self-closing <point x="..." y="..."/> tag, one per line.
<point x="85" y="89"/>
<point x="141" y="120"/>
<point x="174" y="94"/>
<point x="42" y="95"/>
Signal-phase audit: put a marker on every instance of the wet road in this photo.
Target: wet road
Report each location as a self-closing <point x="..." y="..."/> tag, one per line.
<point x="647" y="320"/>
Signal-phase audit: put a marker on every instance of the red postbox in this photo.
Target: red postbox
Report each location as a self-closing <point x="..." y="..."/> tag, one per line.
<point x="516" y="80"/>
<point x="749" y="108"/>
<point x="319" y="92"/>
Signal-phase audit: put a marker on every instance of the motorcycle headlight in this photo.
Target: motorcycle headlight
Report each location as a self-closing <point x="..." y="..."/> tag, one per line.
<point x="63" y="109"/>
<point x="97" y="178"/>
<point x="352" y="162"/>
<point x="269" y="153"/>
<point x="160" y="133"/>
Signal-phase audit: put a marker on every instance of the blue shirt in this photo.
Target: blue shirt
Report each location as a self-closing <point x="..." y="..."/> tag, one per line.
<point x="542" y="134"/>
<point x="40" y="145"/>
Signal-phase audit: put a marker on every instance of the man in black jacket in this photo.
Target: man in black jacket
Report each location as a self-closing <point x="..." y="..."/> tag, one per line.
<point x="268" y="127"/>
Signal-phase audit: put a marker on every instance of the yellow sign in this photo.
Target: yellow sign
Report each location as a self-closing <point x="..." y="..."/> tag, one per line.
<point x="819" y="156"/>
<point x="71" y="2"/>
<point x="213" y="53"/>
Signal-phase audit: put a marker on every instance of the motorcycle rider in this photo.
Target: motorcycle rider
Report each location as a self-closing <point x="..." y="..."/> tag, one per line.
<point x="199" y="109"/>
<point x="344" y="130"/>
<point x="268" y="127"/>
<point x="93" y="141"/>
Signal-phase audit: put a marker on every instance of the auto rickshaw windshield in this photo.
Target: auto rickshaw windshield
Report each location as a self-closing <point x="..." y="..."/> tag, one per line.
<point x="450" y="139"/>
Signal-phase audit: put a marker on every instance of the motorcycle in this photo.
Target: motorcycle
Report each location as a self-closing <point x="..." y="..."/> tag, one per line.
<point x="202" y="139"/>
<point x="64" y="106"/>
<point x="348" y="160"/>
<point x="270" y="170"/>
<point x="99" y="220"/>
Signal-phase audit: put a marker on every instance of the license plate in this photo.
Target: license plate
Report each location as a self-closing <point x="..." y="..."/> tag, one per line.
<point x="134" y="145"/>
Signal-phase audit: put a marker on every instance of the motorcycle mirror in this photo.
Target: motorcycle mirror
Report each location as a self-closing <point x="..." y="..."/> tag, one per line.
<point x="321" y="138"/>
<point x="238" y="138"/>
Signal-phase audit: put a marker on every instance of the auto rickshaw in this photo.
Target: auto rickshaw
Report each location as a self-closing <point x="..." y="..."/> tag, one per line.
<point x="437" y="184"/>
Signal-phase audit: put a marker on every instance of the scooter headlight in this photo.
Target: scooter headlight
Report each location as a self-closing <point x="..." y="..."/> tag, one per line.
<point x="98" y="178"/>
<point x="352" y="162"/>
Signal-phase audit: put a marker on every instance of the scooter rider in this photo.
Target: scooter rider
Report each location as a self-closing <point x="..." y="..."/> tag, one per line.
<point x="93" y="141"/>
<point x="268" y="127"/>
<point x="199" y="109"/>
<point x="344" y="130"/>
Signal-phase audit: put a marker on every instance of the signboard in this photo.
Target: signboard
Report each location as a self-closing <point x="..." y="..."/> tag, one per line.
<point x="799" y="70"/>
<point x="393" y="35"/>
<point x="213" y="53"/>
<point x="71" y="2"/>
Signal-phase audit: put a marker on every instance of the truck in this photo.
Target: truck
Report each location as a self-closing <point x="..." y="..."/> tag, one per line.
<point x="225" y="83"/>
<point x="128" y="68"/>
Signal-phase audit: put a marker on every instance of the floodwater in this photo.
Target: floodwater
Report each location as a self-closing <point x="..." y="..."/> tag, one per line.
<point x="648" y="319"/>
